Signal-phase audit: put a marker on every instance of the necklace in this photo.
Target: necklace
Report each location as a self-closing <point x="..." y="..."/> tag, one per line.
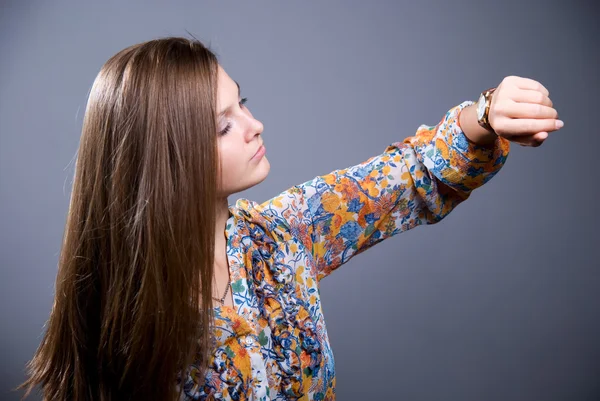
<point x="222" y="300"/>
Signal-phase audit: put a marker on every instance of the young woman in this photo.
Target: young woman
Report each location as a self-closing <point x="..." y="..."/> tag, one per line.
<point x="165" y="291"/>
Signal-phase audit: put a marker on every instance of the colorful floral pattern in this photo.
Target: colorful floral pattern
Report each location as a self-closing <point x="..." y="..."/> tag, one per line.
<point x="273" y="344"/>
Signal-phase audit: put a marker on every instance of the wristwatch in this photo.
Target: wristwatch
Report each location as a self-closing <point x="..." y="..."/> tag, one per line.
<point x="483" y="108"/>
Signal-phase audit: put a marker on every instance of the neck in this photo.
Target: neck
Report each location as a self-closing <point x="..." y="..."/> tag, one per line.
<point x="221" y="222"/>
<point x="221" y="272"/>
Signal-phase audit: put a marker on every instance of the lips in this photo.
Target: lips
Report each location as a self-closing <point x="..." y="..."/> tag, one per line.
<point x="258" y="150"/>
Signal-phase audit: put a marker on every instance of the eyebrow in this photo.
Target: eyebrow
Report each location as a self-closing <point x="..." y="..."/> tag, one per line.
<point x="221" y="114"/>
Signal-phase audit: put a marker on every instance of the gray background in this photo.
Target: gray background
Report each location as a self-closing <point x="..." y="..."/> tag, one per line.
<point x="499" y="301"/>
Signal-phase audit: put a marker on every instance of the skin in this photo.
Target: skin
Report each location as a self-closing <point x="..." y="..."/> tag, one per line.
<point x="520" y="111"/>
<point x="239" y="171"/>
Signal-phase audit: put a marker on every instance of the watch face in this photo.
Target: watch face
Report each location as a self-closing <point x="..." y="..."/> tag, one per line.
<point x="480" y="106"/>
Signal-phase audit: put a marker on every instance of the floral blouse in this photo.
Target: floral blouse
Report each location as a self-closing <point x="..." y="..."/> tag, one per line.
<point x="273" y="344"/>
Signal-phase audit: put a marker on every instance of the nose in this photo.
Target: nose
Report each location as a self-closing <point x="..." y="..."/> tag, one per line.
<point x="259" y="126"/>
<point x="256" y="127"/>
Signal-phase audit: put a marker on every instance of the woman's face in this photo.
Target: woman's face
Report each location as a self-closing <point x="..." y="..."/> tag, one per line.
<point x="238" y="145"/>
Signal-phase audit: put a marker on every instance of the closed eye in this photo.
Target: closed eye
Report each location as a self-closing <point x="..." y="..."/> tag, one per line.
<point x="228" y="127"/>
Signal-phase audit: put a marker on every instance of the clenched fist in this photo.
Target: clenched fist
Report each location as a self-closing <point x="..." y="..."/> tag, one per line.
<point x="522" y="112"/>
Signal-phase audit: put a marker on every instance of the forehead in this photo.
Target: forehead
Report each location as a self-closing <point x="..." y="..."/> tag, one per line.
<point x="225" y="85"/>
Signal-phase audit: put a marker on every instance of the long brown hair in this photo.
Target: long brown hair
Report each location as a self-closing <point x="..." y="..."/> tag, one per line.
<point x="133" y="302"/>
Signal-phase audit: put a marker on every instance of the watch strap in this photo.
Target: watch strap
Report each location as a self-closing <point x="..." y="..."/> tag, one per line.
<point x="484" y="120"/>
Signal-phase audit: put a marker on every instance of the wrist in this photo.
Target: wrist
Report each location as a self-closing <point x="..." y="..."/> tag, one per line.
<point x="475" y="133"/>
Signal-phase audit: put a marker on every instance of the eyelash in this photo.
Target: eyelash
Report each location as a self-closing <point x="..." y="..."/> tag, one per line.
<point x="228" y="127"/>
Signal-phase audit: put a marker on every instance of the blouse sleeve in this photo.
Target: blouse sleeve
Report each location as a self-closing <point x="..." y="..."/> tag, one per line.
<point x="417" y="181"/>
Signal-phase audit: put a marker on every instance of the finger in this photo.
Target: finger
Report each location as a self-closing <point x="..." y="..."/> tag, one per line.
<point x="523" y="126"/>
<point x="522" y="140"/>
<point x="539" y="138"/>
<point x="531" y="96"/>
<point x="530" y="141"/>
<point x="531" y="84"/>
<point x="529" y="110"/>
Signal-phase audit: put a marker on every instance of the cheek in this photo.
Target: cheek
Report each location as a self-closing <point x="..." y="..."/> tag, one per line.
<point x="231" y="160"/>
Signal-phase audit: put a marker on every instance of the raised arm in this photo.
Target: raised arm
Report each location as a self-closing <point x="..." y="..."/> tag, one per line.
<point x="417" y="181"/>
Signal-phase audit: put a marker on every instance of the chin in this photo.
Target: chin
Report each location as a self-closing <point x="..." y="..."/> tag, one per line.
<point x="262" y="171"/>
<point x="257" y="176"/>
